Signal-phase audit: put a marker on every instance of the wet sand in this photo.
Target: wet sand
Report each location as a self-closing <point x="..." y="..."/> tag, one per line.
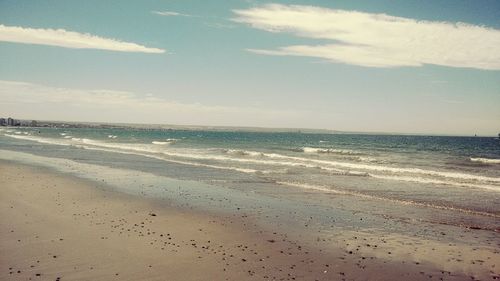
<point x="56" y="227"/>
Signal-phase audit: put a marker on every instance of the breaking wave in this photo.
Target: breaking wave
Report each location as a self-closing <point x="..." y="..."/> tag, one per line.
<point x="328" y="150"/>
<point x="392" y="200"/>
<point x="486" y="160"/>
<point x="260" y="162"/>
<point x="160" y="142"/>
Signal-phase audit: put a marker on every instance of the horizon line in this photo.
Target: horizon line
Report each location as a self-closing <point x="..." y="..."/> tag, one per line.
<point x="249" y="128"/>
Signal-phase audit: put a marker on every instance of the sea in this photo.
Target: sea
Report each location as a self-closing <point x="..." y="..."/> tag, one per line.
<point x="309" y="183"/>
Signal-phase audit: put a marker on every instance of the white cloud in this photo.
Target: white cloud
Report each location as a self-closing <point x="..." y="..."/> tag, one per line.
<point x="376" y="40"/>
<point x="169" y="13"/>
<point x="220" y="25"/>
<point x="35" y="101"/>
<point x="69" y="39"/>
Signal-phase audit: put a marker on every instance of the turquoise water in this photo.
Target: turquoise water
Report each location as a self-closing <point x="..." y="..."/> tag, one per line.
<point x="439" y="180"/>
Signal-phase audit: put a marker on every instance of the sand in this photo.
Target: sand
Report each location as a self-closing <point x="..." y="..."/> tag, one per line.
<point x="56" y="227"/>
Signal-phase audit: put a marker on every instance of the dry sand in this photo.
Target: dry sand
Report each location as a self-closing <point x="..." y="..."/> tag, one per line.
<point x="55" y="227"/>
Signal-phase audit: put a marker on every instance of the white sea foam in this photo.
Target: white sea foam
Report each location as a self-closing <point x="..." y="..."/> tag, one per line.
<point x="396" y="170"/>
<point x="62" y="134"/>
<point x="436" y="181"/>
<point x="263" y="158"/>
<point x="242" y="152"/>
<point x="122" y="146"/>
<point x="160" y="142"/>
<point x="243" y="170"/>
<point x="368" y="159"/>
<point x="254" y="157"/>
<point x="392" y="200"/>
<point x="486" y="160"/>
<point x="135" y="149"/>
<point x="164" y="142"/>
<point x="328" y="150"/>
<point x="112" y="136"/>
<point x="38" y="139"/>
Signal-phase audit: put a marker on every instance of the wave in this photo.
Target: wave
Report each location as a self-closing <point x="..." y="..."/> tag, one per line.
<point x="396" y="170"/>
<point x="122" y="146"/>
<point x="435" y="181"/>
<point x="242" y="152"/>
<point x="37" y="139"/>
<point x="313" y="166"/>
<point x="243" y="170"/>
<point x="135" y="149"/>
<point x="160" y="142"/>
<point x="239" y="152"/>
<point x="369" y="160"/>
<point x="165" y="142"/>
<point x="486" y="160"/>
<point x="145" y="150"/>
<point x="392" y="200"/>
<point x="274" y="159"/>
<point x="327" y="150"/>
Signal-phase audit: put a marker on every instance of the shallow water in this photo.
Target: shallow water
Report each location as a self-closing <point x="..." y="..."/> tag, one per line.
<point x="439" y="181"/>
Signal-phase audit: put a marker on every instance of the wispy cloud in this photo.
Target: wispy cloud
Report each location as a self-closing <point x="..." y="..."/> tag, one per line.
<point x="35" y="101"/>
<point x="69" y="39"/>
<point x="170" y="14"/>
<point x="376" y="40"/>
<point x="220" y="25"/>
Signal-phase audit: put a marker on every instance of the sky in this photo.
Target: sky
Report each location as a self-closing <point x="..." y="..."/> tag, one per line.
<point x="426" y="67"/>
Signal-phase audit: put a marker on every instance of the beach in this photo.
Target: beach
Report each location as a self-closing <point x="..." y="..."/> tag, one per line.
<point x="57" y="227"/>
<point x="134" y="204"/>
<point x="250" y="140"/>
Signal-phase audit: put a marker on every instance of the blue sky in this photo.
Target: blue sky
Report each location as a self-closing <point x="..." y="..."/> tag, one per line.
<point x="318" y="64"/>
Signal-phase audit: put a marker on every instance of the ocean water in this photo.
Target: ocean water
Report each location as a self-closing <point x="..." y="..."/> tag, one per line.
<point x="432" y="180"/>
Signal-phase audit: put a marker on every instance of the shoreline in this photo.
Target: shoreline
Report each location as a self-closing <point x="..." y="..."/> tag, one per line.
<point x="61" y="226"/>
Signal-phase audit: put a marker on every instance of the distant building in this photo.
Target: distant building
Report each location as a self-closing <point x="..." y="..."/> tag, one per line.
<point x="10" y="122"/>
<point x="3" y="122"/>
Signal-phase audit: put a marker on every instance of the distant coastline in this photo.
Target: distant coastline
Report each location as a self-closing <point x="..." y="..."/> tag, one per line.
<point x="140" y="126"/>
